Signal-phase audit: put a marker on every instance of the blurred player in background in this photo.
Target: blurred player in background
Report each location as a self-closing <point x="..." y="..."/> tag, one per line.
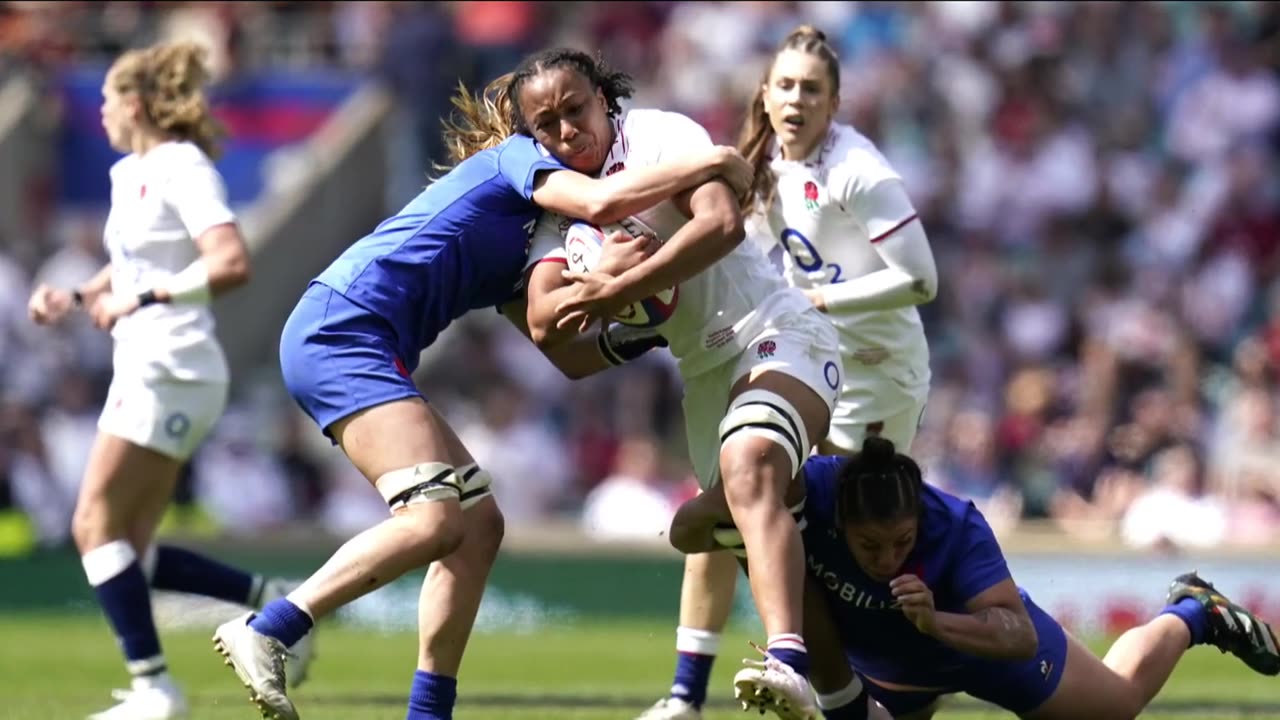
<point x="909" y="585"/>
<point x="760" y="365"/>
<point x="347" y="352"/>
<point x="173" y="245"/>
<point x="851" y="239"/>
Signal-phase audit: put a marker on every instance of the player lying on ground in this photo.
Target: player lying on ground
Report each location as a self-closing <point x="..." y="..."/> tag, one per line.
<point x="760" y="364"/>
<point x="347" y="352"/>
<point x="173" y="245"/>
<point x="837" y="212"/>
<point x="920" y="599"/>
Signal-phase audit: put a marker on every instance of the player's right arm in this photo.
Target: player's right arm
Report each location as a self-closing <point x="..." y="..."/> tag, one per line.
<point x="48" y="305"/>
<point x="609" y="199"/>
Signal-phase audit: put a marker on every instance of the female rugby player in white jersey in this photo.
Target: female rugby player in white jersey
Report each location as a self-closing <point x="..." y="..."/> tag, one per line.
<point x="761" y="367"/>
<point x="851" y="239"/>
<point x="173" y="244"/>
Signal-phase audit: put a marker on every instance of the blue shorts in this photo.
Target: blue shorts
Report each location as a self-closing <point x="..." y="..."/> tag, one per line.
<point x="338" y="358"/>
<point x="1018" y="687"/>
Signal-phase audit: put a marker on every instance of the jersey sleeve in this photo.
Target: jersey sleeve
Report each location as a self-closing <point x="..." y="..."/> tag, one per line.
<point x="870" y="190"/>
<point x="655" y="136"/>
<point x="520" y="160"/>
<point x="547" y="244"/>
<point x="196" y="193"/>
<point x="977" y="561"/>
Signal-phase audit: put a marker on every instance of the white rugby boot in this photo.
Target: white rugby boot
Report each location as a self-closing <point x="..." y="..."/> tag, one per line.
<point x="771" y="685"/>
<point x="147" y="699"/>
<point x="298" y="662"/>
<point x="670" y="708"/>
<point x="259" y="663"/>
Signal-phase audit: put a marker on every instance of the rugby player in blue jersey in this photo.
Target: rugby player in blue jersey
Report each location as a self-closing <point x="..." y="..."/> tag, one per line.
<point x="347" y="351"/>
<point x="908" y="585"/>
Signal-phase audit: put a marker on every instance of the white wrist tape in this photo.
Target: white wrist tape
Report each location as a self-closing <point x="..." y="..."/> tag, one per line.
<point x="190" y="285"/>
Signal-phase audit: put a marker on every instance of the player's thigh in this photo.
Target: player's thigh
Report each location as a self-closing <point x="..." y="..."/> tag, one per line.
<point x="794" y="372"/>
<point x="394" y="435"/>
<point x="1088" y="690"/>
<point x="147" y="430"/>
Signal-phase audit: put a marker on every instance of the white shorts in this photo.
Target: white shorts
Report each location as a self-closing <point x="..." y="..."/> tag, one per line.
<point x="805" y="347"/>
<point x="848" y="432"/>
<point x="167" y="416"/>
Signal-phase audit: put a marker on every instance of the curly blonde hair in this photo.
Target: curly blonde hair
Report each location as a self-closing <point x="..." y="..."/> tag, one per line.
<point x="169" y="80"/>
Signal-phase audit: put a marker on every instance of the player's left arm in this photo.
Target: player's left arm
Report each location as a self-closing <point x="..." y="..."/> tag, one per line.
<point x="196" y="193"/>
<point x="223" y="265"/>
<point x="714" y="229"/>
<point x="898" y="237"/>
<point x="995" y="624"/>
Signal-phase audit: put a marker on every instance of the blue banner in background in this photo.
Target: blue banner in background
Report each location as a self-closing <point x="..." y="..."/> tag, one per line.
<point x="261" y="113"/>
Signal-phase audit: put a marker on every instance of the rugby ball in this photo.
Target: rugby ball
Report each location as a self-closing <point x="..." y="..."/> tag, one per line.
<point x="582" y="245"/>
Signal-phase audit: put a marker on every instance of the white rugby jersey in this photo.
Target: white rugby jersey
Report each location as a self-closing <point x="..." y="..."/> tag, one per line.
<point x="722" y="308"/>
<point x="160" y="202"/>
<point x="819" y="217"/>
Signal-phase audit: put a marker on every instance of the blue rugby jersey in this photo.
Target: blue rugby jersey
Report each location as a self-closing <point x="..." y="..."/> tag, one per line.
<point x="956" y="555"/>
<point x="460" y="245"/>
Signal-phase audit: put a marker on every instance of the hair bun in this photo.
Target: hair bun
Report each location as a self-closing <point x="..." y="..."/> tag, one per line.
<point x="877" y="450"/>
<point x="807" y="31"/>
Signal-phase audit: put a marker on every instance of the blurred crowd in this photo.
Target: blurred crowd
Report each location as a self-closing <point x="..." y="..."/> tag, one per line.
<point x="1098" y="181"/>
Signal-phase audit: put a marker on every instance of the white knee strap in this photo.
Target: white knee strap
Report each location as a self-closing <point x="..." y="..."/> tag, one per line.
<point x="768" y="415"/>
<point x="424" y="482"/>
<point x="476" y="484"/>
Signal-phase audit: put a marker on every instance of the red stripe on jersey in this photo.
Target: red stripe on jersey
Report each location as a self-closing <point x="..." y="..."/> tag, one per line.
<point x="562" y="261"/>
<point x="892" y="230"/>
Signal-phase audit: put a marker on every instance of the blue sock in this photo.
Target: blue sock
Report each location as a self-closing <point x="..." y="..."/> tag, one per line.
<point x="432" y="696"/>
<point x="789" y="648"/>
<point x="1193" y="614"/>
<point x="693" y="672"/>
<point x="283" y="621"/>
<point x="122" y="591"/>
<point x="185" y="571"/>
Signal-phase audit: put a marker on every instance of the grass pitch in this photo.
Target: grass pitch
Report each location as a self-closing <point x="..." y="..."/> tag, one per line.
<point x="55" y="667"/>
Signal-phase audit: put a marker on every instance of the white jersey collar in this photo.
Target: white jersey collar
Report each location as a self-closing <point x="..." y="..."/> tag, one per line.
<point x="814" y="158"/>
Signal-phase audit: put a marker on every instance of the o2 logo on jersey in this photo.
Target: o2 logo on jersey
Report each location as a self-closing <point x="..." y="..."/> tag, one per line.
<point x="808" y="259"/>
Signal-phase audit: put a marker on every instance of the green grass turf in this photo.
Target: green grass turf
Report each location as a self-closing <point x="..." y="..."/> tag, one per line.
<point x="64" y="667"/>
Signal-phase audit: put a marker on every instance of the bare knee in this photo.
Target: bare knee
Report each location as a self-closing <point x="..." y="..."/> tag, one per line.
<point x="486" y="527"/>
<point x="753" y="471"/>
<point x="430" y="530"/>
